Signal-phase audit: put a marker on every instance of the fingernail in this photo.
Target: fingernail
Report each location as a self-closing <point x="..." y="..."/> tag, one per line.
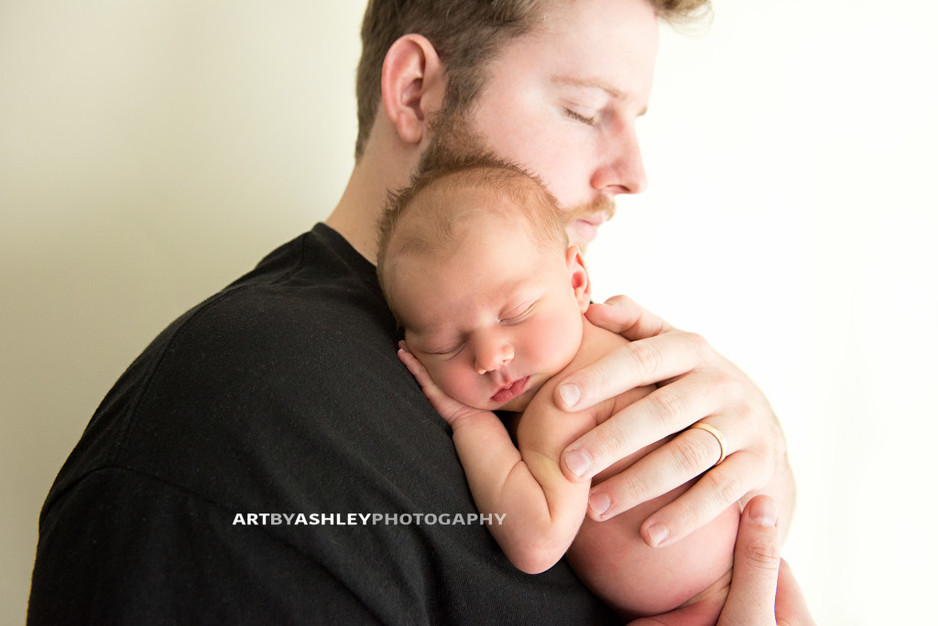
<point x="578" y="462"/>
<point x="658" y="533"/>
<point x="763" y="512"/>
<point x="570" y="394"/>
<point x="599" y="503"/>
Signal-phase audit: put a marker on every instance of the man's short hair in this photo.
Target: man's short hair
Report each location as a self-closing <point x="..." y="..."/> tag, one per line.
<point x="465" y="33"/>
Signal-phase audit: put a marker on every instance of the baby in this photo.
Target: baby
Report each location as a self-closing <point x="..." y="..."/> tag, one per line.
<point x="475" y="265"/>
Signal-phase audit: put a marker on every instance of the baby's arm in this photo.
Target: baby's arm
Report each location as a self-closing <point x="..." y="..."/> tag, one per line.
<point x="543" y="510"/>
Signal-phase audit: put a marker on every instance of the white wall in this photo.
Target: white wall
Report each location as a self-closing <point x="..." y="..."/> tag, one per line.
<point x="792" y="220"/>
<point x="151" y="151"/>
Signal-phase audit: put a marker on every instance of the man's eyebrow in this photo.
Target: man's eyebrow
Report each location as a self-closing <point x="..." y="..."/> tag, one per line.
<point x="595" y="83"/>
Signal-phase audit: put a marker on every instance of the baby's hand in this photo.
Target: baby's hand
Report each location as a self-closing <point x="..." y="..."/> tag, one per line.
<point x="451" y="410"/>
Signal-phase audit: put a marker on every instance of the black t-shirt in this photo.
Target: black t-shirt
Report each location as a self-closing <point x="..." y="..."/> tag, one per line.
<point x="235" y="471"/>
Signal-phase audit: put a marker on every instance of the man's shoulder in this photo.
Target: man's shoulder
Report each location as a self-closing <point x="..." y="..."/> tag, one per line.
<point x="314" y="295"/>
<point x="282" y="351"/>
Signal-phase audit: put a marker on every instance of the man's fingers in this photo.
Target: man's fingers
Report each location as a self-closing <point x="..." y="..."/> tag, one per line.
<point x="763" y="591"/>
<point x="675" y="463"/>
<point x="644" y="362"/>
<point x="665" y="411"/>
<point x="790" y="606"/>
<point x="751" y="599"/>
<point x="623" y="316"/>
<point x="718" y="489"/>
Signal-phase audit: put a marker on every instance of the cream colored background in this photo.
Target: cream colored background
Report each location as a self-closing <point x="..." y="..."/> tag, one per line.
<point x="153" y="150"/>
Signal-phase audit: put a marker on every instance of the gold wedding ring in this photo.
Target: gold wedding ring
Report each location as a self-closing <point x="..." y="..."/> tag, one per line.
<point x="719" y="436"/>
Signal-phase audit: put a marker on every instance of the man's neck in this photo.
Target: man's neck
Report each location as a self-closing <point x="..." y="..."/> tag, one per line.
<point x="356" y="215"/>
<point x="355" y="218"/>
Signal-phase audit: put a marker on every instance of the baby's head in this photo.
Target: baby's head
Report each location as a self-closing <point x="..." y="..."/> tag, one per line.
<point x="474" y="262"/>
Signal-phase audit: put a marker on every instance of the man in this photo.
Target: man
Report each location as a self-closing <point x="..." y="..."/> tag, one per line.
<point x="268" y="458"/>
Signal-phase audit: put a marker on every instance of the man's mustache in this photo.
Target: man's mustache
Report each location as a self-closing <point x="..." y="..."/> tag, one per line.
<point x="601" y="204"/>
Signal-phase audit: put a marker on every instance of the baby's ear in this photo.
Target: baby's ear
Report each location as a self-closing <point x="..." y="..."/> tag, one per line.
<point x="579" y="278"/>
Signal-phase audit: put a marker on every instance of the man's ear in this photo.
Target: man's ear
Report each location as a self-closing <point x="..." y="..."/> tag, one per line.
<point x="579" y="278"/>
<point x="412" y="86"/>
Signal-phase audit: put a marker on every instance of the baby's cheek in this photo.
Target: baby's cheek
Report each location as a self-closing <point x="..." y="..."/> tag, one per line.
<point x="560" y="340"/>
<point x="460" y="384"/>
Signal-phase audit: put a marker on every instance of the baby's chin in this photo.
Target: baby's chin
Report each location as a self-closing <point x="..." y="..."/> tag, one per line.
<point x="514" y="406"/>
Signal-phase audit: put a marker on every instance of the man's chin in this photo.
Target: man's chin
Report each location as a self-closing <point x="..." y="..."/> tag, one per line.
<point x="582" y="233"/>
<point x="586" y="219"/>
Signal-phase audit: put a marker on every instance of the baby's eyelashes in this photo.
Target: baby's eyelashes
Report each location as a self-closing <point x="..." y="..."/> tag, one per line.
<point x="516" y="314"/>
<point x="447" y="351"/>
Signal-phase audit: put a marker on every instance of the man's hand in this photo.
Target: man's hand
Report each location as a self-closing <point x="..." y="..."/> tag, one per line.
<point x="694" y="384"/>
<point x="763" y="591"/>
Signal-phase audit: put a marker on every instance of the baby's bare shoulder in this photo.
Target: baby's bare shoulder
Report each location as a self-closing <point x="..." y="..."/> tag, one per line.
<point x="597" y="343"/>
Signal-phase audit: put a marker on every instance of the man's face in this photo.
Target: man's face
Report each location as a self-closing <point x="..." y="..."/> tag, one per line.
<point x="563" y="101"/>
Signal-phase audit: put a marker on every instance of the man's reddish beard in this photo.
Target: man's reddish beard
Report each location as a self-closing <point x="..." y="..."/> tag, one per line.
<point x="601" y="204"/>
<point x="453" y="138"/>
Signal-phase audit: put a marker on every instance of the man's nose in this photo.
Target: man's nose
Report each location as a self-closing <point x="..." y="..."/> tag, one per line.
<point x="621" y="168"/>
<point x="492" y="351"/>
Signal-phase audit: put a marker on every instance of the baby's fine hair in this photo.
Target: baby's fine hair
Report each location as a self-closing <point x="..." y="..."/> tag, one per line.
<point x="434" y="230"/>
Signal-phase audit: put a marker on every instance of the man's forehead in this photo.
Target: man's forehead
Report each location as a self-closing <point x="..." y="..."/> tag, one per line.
<point x="606" y="45"/>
